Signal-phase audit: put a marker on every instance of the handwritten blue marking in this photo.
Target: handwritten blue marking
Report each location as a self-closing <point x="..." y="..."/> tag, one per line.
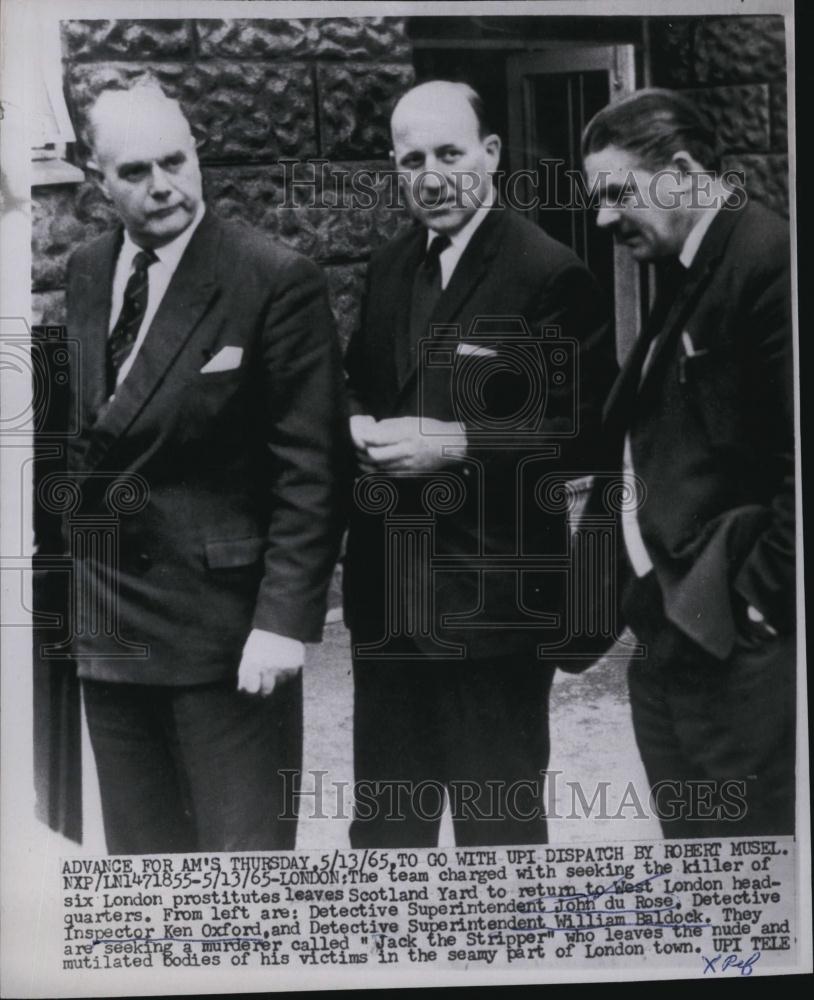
<point x="600" y="890"/>
<point x="181" y="940"/>
<point x="602" y="927"/>
<point x="743" y="965"/>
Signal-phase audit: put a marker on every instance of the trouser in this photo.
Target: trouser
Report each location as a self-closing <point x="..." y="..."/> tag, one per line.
<point x="476" y="731"/>
<point x="196" y="768"/>
<point x="716" y="737"/>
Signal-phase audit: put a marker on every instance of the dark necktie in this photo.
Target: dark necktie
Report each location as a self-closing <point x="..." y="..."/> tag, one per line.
<point x="431" y="265"/>
<point x="669" y="278"/>
<point x="426" y="293"/>
<point x="134" y="305"/>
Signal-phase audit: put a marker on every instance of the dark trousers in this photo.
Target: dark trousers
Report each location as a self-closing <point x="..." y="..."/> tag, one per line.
<point x="199" y="768"/>
<point x="477" y="730"/>
<point x="716" y="737"/>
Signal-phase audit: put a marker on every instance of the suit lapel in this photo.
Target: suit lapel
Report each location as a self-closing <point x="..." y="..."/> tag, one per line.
<point x="469" y="272"/>
<point x="630" y="385"/>
<point x="397" y="297"/>
<point x="693" y="285"/>
<point x="472" y="266"/>
<point x="626" y="385"/>
<point x="90" y="319"/>
<point x="189" y="293"/>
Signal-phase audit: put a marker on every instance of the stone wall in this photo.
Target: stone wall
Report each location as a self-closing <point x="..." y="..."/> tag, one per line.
<point x="735" y="68"/>
<point x="260" y="95"/>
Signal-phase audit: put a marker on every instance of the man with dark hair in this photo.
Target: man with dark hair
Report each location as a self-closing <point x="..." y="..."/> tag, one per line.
<point x="210" y="386"/>
<point x="702" y="417"/>
<point x="464" y="395"/>
<point x="654" y="124"/>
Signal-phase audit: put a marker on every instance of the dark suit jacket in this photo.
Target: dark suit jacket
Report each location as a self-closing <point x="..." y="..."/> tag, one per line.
<point x="524" y="363"/>
<point x="712" y="434"/>
<point x="236" y="518"/>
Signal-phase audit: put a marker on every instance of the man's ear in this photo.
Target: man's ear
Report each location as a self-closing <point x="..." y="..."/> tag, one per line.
<point x="98" y="177"/>
<point x="685" y="163"/>
<point x="493" y="145"/>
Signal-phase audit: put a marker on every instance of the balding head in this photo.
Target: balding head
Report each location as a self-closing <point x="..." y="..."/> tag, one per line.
<point x="443" y="154"/>
<point x="425" y="94"/>
<point x="145" y="161"/>
<point x="117" y="115"/>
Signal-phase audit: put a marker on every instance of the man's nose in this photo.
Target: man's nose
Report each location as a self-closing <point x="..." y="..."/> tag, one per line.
<point x="432" y="182"/>
<point x="606" y="217"/>
<point x="160" y="185"/>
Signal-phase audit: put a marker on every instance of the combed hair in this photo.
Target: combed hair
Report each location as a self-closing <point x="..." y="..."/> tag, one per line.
<point x="477" y="105"/>
<point x="653" y="125"/>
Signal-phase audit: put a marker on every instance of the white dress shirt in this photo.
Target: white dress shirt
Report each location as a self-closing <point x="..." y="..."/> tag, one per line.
<point x="459" y="241"/>
<point x="159" y="276"/>
<point x="636" y="549"/>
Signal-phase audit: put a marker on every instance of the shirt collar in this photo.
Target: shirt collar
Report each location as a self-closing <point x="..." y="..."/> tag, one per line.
<point x="696" y="236"/>
<point x="170" y="254"/>
<point x="461" y="239"/>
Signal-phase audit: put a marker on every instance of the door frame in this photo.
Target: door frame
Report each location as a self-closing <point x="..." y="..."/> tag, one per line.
<point x="619" y="62"/>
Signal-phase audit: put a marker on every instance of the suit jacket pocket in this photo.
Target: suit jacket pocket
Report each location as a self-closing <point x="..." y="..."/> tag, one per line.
<point x="232" y="553"/>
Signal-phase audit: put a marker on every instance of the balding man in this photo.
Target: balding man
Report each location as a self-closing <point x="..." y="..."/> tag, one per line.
<point x="464" y="395"/>
<point x="209" y="381"/>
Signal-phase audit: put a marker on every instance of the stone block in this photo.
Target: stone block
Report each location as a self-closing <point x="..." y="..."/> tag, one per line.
<point x="237" y="110"/>
<point x="355" y="102"/>
<point x="48" y="308"/>
<point x="63" y="218"/>
<point x="361" y="38"/>
<point x="358" y="38"/>
<point x="252" y="110"/>
<point x="328" y="221"/>
<point x="713" y="50"/>
<point x="739" y="49"/>
<point x="126" y="39"/>
<point x="766" y="178"/>
<point x="352" y="234"/>
<point x="276" y="37"/>
<point x="345" y="286"/>
<point x="244" y="192"/>
<point x="739" y="116"/>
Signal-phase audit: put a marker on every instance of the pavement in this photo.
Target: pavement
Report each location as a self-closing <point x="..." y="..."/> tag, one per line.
<point x="596" y="779"/>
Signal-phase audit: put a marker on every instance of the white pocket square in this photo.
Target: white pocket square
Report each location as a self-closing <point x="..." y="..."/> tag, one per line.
<point x="483" y="352"/>
<point x="225" y="360"/>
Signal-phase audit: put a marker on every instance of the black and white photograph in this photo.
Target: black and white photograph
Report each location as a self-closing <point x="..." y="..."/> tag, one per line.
<point x="401" y="537"/>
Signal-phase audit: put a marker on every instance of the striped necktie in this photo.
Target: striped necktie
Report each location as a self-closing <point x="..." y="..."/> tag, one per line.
<point x="134" y="305"/>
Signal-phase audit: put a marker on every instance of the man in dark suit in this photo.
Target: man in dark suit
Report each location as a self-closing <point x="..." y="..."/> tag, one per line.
<point x="212" y="421"/>
<point x="702" y="414"/>
<point x="465" y="395"/>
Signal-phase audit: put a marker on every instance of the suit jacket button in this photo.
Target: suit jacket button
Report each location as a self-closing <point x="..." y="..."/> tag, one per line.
<point x="143" y="561"/>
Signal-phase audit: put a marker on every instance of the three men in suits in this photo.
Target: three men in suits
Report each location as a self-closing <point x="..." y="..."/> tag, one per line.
<point x="464" y="395"/>
<point x="210" y="388"/>
<point x="702" y="414"/>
